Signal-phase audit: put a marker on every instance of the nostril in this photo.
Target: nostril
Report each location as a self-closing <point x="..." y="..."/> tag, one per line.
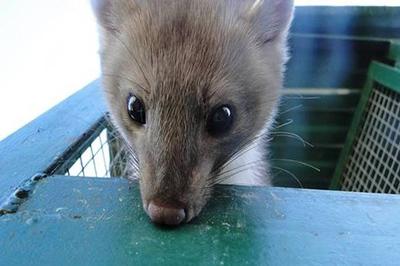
<point x="164" y="214"/>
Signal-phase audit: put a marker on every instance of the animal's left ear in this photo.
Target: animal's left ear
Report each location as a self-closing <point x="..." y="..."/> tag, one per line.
<point x="269" y="18"/>
<point x="102" y="10"/>
<point x="110" y="14"/>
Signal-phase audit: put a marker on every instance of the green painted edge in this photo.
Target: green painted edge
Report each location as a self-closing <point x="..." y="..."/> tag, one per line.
<point x="394" y="52"/>
<point x="378" y="72"/>
<point x="386" y="75"/>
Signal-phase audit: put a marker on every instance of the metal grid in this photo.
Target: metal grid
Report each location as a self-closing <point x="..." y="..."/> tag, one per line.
<point x="102" y="156"/>
<point x="374" y="162"/>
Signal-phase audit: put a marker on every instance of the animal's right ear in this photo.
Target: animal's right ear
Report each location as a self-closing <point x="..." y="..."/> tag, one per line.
<point x="269" y="18"/>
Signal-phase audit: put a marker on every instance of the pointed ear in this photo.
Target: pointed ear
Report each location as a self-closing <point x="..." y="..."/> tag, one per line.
<point x="110" y="13"/>
<point x="269" y="18"/>
<point x="102" y="10"/>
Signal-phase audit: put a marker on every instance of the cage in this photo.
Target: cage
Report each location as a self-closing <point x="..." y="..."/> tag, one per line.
<point x="63" y="199"/>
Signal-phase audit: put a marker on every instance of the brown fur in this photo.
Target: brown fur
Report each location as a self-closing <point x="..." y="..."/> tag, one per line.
<point x="182" y="58"/>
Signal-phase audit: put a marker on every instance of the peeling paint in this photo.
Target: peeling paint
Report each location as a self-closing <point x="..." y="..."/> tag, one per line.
<point x="20" y="195"/>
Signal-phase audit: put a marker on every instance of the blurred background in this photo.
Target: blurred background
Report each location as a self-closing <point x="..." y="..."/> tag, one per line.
<point x="48" y="51"/>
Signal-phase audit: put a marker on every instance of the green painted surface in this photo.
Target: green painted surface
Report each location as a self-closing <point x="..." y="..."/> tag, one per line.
<point x="76" y="221"/>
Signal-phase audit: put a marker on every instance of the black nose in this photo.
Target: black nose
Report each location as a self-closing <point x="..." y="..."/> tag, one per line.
<point x="167" y="214"/>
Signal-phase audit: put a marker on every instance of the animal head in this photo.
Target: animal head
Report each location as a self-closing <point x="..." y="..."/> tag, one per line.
<point x="189" y="83"/>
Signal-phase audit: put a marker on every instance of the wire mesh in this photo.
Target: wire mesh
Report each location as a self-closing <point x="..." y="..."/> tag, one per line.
<point x="374" y="162"/>
<point x="102" y="156"/>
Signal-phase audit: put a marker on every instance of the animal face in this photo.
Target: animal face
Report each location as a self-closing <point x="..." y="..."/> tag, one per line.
<point x="189" y="84"/>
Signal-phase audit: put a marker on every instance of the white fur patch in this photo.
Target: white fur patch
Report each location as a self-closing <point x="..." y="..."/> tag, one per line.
<point x="248" y="169"/>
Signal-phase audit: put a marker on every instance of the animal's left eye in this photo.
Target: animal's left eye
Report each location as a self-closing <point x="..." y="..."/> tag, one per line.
<point x="136" y="109"/>
<point x="220" y="120"/>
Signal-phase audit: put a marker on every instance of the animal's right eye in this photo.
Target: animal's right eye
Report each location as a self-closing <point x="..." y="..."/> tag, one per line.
<point x="136" y="109"/>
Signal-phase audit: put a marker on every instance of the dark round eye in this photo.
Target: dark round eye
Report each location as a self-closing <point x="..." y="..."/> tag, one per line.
<point x="136" y="109"/>
<point x="220" y="120"/>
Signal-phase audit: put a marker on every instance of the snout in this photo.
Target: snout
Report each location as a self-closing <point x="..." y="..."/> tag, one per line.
<point x="166" y="213"/>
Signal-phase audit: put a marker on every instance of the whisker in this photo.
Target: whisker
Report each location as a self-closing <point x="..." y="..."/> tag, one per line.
<point x="289" y="121"/>
<point x="291" y="109"/>
<point x="237" y="155"/>
<point x="239" y="151"/>
<point x="238" y="167"/>
<point x="292" y="135"/>
<point x="302" y="97"/>
<point x="219" y="180"/>
<point x="298" y="162"/>
<point x="289" y="173"/>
